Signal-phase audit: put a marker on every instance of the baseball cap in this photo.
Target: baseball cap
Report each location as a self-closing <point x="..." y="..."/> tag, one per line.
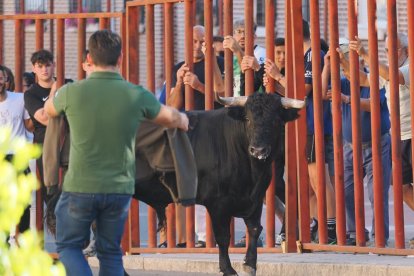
<point x="344" y="45"/>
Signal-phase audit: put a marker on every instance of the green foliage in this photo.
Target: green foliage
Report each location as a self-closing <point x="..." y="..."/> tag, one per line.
<point x="27" y="258"/>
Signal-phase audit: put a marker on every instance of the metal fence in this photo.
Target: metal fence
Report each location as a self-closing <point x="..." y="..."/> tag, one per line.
<point x="296" y="172"/>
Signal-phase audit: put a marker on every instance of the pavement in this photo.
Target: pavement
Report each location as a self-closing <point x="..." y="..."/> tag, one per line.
<point x="291" y="264"/>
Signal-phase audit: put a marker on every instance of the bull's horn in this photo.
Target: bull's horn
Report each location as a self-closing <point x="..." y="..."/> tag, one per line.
<point x="293" y="103"/>
<point x="232" y="101"/>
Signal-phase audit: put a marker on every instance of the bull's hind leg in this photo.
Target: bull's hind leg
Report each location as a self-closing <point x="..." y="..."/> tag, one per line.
<point x="221" y="228"/>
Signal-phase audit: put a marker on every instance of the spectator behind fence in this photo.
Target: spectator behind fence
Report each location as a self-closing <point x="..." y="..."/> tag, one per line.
<point x="310" y="145"/>
<point x="101" y="173"/>
<point x="366" y="139"/>
<point x="183" y="76"/>
<point x="242" y="62"/>
<point x="404" y="108"/>
<point x="10" y="84"/>
<point x="28" y="81"/>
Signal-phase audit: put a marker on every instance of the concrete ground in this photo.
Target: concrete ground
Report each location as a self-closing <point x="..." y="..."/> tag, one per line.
<point x="308" y="264"/>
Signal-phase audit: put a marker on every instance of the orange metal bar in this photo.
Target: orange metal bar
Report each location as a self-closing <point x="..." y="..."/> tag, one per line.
<point x="189" y="105"/>
<point x="150" y="2"/>
<point x="249" y="36"/>
<point x="104" y="23"/>
<point x="39" y="34"/>
<point x="358" y="249"/>
<point x="220" y="17"/>
<point x="51" y="26"/>
<point x="108" y="6"/>
<point x="169" y="46"/>
<point x="270" y="193"/>
<point x="1" y="39"/>
<point x="337" y="124"/>
<point x="228" y="54"/>
<point x="395" y="123"/>
<point x="124" y="45"/>
<point x="169" y="64"/>
<point x="356" y="129"/>
<point x="318" y="120"/>
<point x="232" y="250"/>
<point x="60" y="57"/>
<point x="270" y="38"/>
<point x="375" y="126"/>
<point x="300" y="124"/>
<point x="81" y="46"/>
<point x="149" y="19"/>
<point x="62" y="16"/>
<point x="135" y="222"/>
<point x="410" y="14"/>
<point x="290" y="168"/>
<point x="209" y="90"/>
<point x="132" y="44"/>
<point x="19" y="54"/>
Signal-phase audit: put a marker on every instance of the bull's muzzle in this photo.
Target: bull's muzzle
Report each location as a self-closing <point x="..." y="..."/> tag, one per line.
<point x="260" y="153"/>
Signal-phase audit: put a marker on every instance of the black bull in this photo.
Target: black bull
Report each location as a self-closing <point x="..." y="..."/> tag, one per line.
<point x="233" y="148"/>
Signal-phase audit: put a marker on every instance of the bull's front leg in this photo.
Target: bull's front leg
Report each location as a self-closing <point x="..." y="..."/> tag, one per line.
<point x="254" y="229"/>
<point x="221" y="228"/>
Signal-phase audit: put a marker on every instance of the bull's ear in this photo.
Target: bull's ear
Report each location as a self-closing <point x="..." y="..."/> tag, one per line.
<point x="236" y="113"/>
<point x="288" y="115"/>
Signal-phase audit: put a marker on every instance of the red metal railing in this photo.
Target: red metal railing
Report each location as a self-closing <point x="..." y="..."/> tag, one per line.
<point x="296" y="176"/>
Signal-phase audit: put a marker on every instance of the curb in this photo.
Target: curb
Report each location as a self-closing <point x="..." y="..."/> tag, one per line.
<point x="314" y="264"/>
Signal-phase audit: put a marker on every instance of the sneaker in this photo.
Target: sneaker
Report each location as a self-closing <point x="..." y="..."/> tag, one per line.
<point x="242" y="242"/>
<point x="280" y="238"/>
<point x="351" y="238"/>
<point x="90" y="251"/>
<point x="314" y="230"/>
<point x="181" y="245"/>
<point x="200" y="244"/>
<point x="163" y="245"/>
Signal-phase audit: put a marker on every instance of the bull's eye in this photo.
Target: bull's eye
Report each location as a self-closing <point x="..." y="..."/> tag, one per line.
<point x="247" y="119"/>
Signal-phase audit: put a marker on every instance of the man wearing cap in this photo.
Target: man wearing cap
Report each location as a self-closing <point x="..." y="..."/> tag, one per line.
<point x="365" y="117"/>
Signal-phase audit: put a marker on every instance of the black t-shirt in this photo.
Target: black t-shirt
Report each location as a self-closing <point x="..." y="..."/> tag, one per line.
<point x="198" y="69"/>
<point x="34" y="99"/>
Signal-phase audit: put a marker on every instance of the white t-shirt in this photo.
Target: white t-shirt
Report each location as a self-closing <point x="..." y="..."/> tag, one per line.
<point x="404" y="95"/>
<point x="13" y="114"/>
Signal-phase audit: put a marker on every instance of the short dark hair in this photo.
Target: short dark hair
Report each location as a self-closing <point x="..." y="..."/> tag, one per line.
<point x="279" y="41"/>
<point x="324" y="46"/>
<point x="306" y="30"/>
<point x="84" y="55"/>
<point x="29" y="78"/>
<point x="3" y="69"/>
<point x="105" y="48"/>
<point x="42" y="57"/>
<point x="218" y="38"/>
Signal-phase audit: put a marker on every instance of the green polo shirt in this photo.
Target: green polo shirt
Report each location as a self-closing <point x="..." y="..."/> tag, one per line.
<point x="104" y="112"/>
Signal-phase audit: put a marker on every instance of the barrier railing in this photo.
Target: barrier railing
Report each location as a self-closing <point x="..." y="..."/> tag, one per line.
<point x="297" y="214"/>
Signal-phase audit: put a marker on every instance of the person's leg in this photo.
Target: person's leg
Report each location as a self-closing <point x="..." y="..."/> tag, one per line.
<point x="74" y="215"/>
<point x="180" y="224"/>
<point x="408" y="195"/>
<point x="112" y="213"/>
<point x="200" y="224"/>
<point x="349" y="189"/>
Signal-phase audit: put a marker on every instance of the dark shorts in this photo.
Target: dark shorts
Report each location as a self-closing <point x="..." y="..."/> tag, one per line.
<point x="406" y="157"/>
<point x="329" y="152"/>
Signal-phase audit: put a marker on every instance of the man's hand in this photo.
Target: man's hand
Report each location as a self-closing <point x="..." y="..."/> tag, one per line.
<point x="230" y="43"/>
<point x="271" y="69"/>
<point x="192" y="80"/>
<point x="341" y="55"/>
<point x="356" y="46"/>
<point x="249" y="62"/>
<point x="181" y="72"/>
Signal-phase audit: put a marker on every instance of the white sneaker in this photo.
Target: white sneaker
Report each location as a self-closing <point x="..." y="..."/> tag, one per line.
<point x="280" y="238"/>
<point x="90" y="251"/>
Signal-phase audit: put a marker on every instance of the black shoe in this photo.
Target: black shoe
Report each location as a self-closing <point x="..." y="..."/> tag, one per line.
<point x="200" y="244"/>
<point x="181" y="245"/>
<point x="314" y="231"/>
<point x="242" y="242"/>
<point x="163" y="245"/>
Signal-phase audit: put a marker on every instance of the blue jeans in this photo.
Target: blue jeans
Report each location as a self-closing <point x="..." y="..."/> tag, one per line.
<point x="367" y="172"/>
<point x="74" y="215"/>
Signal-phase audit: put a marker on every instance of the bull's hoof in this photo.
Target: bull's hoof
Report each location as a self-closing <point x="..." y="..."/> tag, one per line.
<point x="230" y="274"/>
<point x="248" y="270"/>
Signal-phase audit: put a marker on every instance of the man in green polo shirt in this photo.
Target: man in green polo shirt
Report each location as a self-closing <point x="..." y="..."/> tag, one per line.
<point x="103" y="112"/>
